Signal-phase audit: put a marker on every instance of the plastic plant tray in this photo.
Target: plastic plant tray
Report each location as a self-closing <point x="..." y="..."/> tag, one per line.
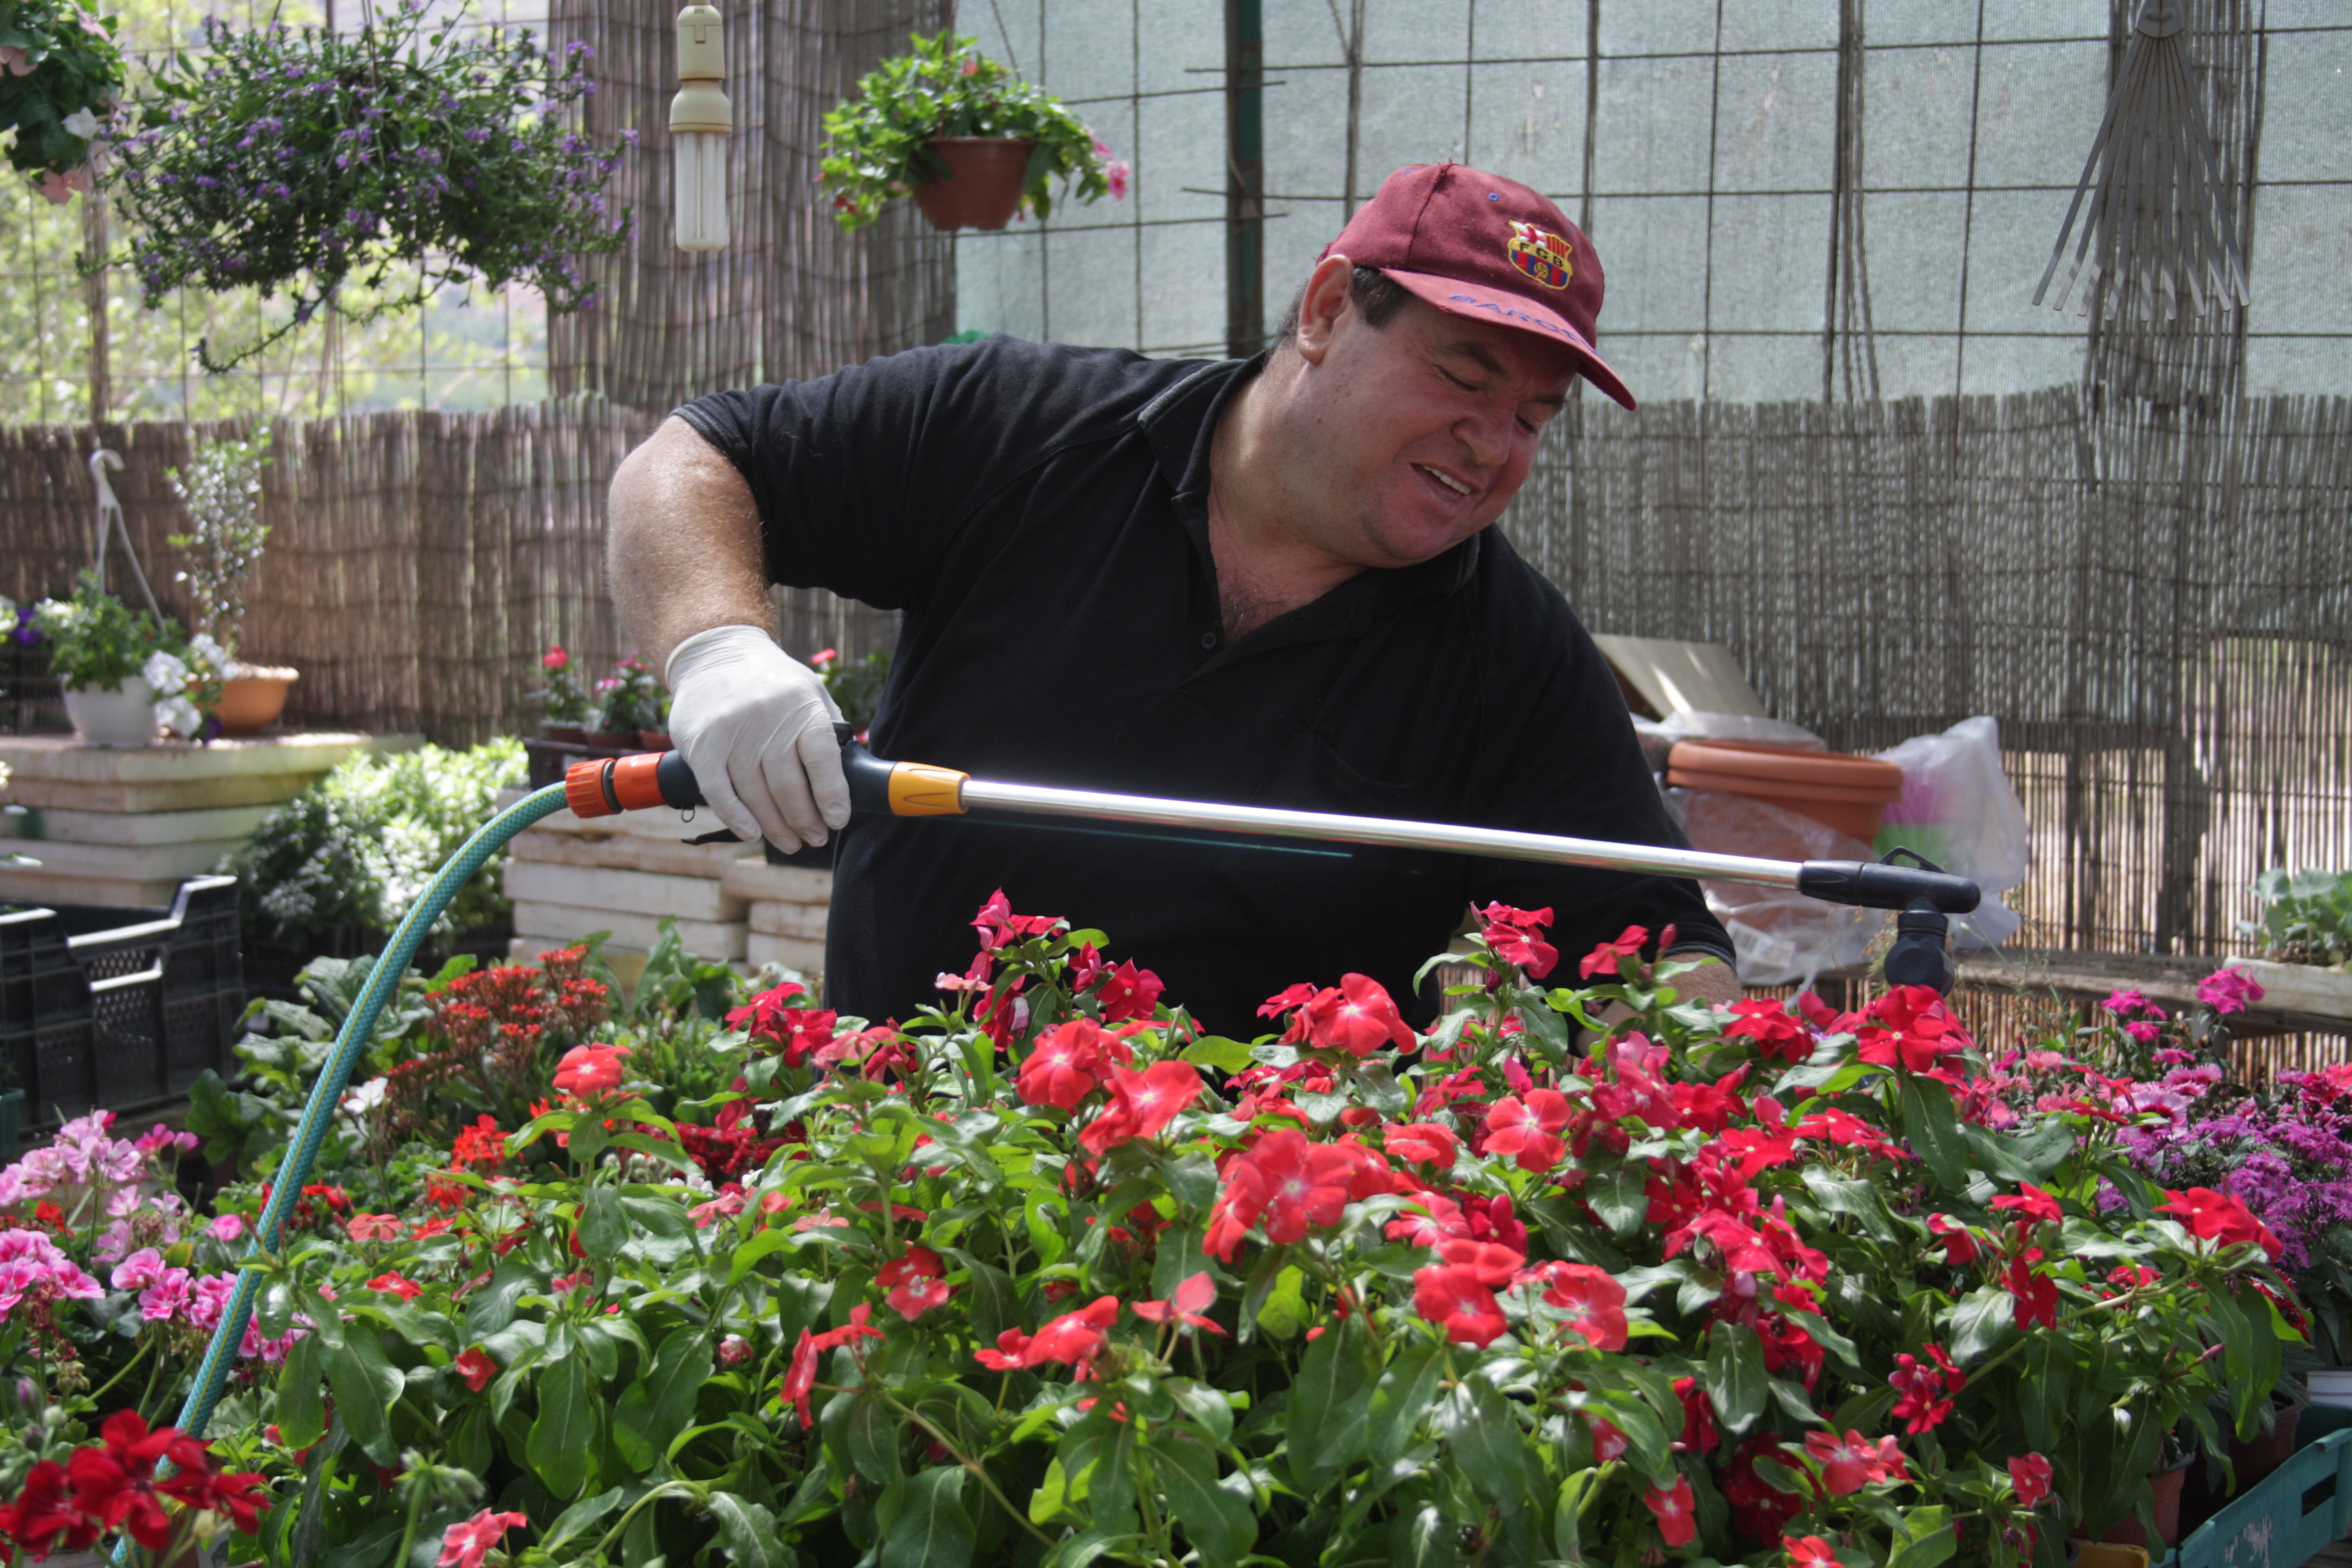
<point x="2286" y="1520"/>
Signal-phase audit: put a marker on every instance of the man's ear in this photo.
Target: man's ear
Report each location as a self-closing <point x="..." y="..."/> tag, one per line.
<point x="1320" y="308"/>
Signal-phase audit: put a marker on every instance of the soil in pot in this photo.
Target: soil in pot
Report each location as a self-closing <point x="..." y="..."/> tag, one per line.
<point x="254" y="696"/>
<point x="121" y="715"/>
<point x="983" y="188"/>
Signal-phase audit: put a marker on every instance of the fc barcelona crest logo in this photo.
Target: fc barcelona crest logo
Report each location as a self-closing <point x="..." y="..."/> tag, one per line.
<point x="1541" y="255"/>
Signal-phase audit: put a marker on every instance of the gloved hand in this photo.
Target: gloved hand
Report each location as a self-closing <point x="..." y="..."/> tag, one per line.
<point x="756" y="726"/>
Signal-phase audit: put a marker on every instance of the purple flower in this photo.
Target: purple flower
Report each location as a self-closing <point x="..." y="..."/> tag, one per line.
<point x="2229" y="991"/>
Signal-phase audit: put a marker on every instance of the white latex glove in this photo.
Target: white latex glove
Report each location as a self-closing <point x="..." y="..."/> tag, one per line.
<point x="756" y="726"/>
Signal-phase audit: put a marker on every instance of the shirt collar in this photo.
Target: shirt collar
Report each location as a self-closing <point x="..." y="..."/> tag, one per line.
<point x="1181" y="424"/>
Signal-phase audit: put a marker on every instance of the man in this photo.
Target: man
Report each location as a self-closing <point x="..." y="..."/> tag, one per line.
<point x="1267" y="581"/>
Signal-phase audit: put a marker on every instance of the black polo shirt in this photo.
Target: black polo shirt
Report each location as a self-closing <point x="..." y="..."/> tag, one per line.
<point x="1040" y="514"/>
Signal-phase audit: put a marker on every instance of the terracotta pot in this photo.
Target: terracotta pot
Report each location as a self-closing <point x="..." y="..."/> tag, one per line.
<point x="983" y="188"/>
<point x="253" y="696"/>
<point x="568" y="734"/>
<point x="1849" y="793"/>
<point x="655" y="740"/>
<point x="2166" y="1484"/>
<point x="2258" y="1456"/>
<point x="118" y="715"/>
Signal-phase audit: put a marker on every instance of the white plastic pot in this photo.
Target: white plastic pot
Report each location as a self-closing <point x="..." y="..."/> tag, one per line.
<point x="121" y="715"/>
<point x="2330" y="1386"/>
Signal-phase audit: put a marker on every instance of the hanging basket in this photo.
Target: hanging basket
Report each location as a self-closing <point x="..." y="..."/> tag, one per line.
<point x="983" y="182"/>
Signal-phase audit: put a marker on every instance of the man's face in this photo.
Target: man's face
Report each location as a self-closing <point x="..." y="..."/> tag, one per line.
<point x="1421" y="430"/>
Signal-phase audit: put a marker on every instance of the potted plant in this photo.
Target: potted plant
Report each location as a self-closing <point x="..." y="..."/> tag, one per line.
<point x="854" y="684"/>
<point x="568" y="708"/>
<point x="410" y="155"/>
<point x="221" y="491"/>
<point x="2306" y="935"/>
<point x="99" y="650"/>
<point x="60" y="76"/>
<point x="972" y="141"/>
<point x="631" y="702"/>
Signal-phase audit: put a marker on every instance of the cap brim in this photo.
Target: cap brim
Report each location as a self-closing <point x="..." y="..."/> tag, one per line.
<point x="1483" y="304"/>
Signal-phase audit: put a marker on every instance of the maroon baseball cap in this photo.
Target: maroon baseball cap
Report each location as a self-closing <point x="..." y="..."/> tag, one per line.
<point x="1479" y="246"/>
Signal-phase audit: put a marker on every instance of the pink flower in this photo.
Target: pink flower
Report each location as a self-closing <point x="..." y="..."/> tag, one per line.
<point x="16" y="60"/>
<point x="2029" y="1474"/>
<point x="1116" y="175"/>
<point x="2229" y="991"/>
<point x="463" y="1544"/>
<point x="590" y="1069"/>
<point x="2143" y="1031"/>
<point x="1854" y="1461"/>
<point x="374" y="1227"/>
<point x="1191" y="1295"/>
<point x="136" y="1272"/>
<point x="555" y="658"/>
<point x="227" y="1227"/>
<point x="2122" y="1002"/>
<point x="60" y="189"/>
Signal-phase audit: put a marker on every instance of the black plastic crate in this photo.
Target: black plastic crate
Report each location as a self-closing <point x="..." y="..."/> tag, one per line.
<point x="119" y="1007"/>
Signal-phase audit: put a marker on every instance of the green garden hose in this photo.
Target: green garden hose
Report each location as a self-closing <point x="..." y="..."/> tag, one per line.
<point x="294" y="1169"/>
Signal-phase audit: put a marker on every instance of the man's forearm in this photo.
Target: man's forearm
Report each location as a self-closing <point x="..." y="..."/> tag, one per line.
<point x="682" y="548"/>
<point x="1712" y="981"/>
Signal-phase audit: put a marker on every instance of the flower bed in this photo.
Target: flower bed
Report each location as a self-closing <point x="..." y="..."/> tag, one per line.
<point x="1048" y="1274"/>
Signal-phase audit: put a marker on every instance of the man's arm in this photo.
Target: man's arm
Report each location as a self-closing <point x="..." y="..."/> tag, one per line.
<point x="683" y="554"/>
<point x="682" y="547"/>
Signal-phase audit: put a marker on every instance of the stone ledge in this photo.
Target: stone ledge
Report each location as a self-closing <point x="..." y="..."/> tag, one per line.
<point x="625" y="852"/>
<point x="784" y="951"/>
<point x="805" y="921"/>
<point x="643" y="894"/>
<point x="755" y="881"/>
<point x="567" y="924"/>
<point x="45" y="825"/>
<point x="64" y="759"/>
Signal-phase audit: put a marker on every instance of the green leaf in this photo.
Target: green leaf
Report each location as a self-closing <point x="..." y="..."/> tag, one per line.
<point x="1493" y="1453"/>
<point x="1218" y="1052"/>
<point x="1980" y="1320"/>
<point x="1934" y="1130"/>
<point x="1283" y="1312"/>
<point x="747" y="1532"/>
<point x="364" y="1385"/>
<point x="1221" y="1524"/>
<point x="923" y="1520"/>
<point x="1400" y="1400"/>
<point x="1927" y="1539"/>
<point x="563" y="1437"/>
<point x="576" y="1520"/>
<point x="664" y="1232"/>
<point x="301" y="1410"/>
<point x="493" y="1307"/>
<point x="653" y="1411"/>
<point x="604" y="1228"/>
<point x="1734" y="1374"/>
<point x="872" y="1434"/>
<point x="1620" y="1198"/>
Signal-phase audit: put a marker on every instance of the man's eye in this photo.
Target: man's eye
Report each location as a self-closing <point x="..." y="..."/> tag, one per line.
<point x="1456" y="380"/>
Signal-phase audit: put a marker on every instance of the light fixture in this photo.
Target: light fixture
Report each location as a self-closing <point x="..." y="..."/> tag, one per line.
<point x="701" y="119"/>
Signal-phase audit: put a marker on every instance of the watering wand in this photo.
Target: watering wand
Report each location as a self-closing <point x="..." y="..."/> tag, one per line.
<point x="1925" y="893"/>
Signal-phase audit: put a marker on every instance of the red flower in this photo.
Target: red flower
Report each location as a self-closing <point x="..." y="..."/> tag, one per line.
<point x="800" y="1378"/>
<point x="1290" y="997"/>
<point x="42" y="1518"/>
<point x="1142" y="1104"/>
<point x="2036" y="1292"/>
<point x="1068" y="1062"/>
<point x="1291" y="1182"/>
<point x="2216" y="1216"/>
<point x="115" y="1483"/>
<point x="1512" y="935"/>
<point x="2131" y="1276"/>
<point x="481" y="1144"/>
<point x="1700" y="1434"/>
<point x="464" y="1543"/>
<point x="1854" y="1461"/>
<point x="1777" y="1035"/>
<point x="913" y="1283"/>
<point x="1191" y="1295"/>
<point x="1357" y="1018"/>
<point x="1612" y="956"/>
<point x="1529" y="1130"/>
<point x="1129" y="993"/>
<point x="589" y="1070"/>
<point x="1673" y="1508"/>
<point x="374" y="1227"/>
<point x="999" y="926"/>
<point x="1609" y="1441"/>
<point x="475" y="1365"/>
<point x="1921" y="1386"/>
<point x="555" y="658"/>
<point x="1809" y="1552"/>
<point x="1071" y="1339"/>
<point x="1759" y="1509"/>
<point x="1422" y="1143"/>
<point x="1909" y="1027"/>
<point x="1959" y="1243"/>
<point x="2030" y="1475"/>
<point x="406" y="1289"/>
<point x="1592" y="1300"/>
<point x="2032" y="1202"/>
<point x="777" y="1018"/>
<point x="1454" y="1297"/>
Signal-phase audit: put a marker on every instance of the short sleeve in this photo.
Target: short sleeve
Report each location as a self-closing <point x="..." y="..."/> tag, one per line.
<point x="862" y="475"/>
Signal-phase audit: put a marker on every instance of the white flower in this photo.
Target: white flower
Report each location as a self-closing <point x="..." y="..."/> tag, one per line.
<point x="179" y="715"/>
<point x="210" y="654"/>
<point x="365" y="1098"/>
<point x="163" y="672"/>
<point x="7" y="609"/>
<point x="81" y="122"/>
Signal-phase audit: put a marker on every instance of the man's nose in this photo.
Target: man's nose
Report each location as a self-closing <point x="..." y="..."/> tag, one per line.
<point x="1487" y="434"/>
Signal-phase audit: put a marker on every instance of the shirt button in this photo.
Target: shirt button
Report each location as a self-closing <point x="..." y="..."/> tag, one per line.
<point x="1208" y="639"/>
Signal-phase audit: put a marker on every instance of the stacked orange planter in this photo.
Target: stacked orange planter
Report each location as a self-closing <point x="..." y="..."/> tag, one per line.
<point x="1849" y="793"/>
